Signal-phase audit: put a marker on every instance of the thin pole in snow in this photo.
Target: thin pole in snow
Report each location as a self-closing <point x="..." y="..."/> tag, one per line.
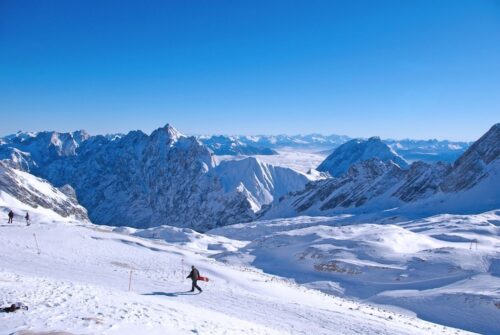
<point x="182" y="269"/>
<point x="36" y="243"/>
<point x="130" y="281"/>
<point x="472" y="243"/>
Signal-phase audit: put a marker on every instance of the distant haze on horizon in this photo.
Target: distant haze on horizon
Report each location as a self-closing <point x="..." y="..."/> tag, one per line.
<point x="393" y="69"/>
<point x="149" y="131"/>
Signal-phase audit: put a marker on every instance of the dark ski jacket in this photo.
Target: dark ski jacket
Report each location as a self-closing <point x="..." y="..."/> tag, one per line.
<point x="194" y="274"/>
<point x="11" y="214"/>
<point x="14" y="307"/>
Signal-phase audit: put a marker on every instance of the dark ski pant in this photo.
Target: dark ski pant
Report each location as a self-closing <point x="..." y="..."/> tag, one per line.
<point x="10" y="220"/>
<point x="195" y="284"/>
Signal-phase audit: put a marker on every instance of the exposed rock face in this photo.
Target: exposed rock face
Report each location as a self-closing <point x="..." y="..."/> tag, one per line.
<point x="145" y="181"/>
<point x="476" y="163"/>
<point x="149" y="180"/>
<point x="355" y="151"/>
<point x="37" y="192"/>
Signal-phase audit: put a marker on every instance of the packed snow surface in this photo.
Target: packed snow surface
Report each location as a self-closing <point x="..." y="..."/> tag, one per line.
<point x="78" y="282"/>
<point x="445" y="268"/>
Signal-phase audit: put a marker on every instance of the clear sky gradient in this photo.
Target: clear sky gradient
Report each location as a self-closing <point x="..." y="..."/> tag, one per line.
<point x="408" y="68"/>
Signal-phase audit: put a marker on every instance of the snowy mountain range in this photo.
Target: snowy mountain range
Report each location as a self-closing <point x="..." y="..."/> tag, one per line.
<point x="233" y="145"/>
<point x="375" y="184"/>
<point x="150" y="180"/>
<point x="314" y="141"/>
<point x="411" y="150"/>
<point x="169" y="178"/>
<point x="273" y="240"/>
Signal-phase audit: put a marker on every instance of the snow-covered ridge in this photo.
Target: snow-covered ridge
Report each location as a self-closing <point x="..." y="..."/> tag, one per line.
<point x="471" y="185"/>
<point x="169" y="178"/>
<point x="262" y="182"/>
<point x="32" y="151"/>
<point x="356" y="151"/>
<point x="231" y="145"/>
<point x="411" y="150"/>
<point x="26" y="193"/>
<point x="152" y="180"/>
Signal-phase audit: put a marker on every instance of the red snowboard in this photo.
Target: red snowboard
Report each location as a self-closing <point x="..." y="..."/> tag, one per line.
<point x="202" y="278"/>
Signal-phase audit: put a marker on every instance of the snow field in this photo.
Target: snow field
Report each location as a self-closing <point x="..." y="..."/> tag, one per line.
<point x="79" y="284"/>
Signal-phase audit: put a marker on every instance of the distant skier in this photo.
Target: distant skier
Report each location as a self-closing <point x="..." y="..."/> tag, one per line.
<point x="27" y="217"/>
<point x="194" y="275"/>
<point x="11" y="216"/>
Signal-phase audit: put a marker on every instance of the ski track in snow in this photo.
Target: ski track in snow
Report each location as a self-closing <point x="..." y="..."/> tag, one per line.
<point x="79" y="284"/>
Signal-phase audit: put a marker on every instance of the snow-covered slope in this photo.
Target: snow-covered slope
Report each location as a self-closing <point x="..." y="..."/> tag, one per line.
<point x="355" y="151"/>
<point x="289" y="158"/>
<point x="444" y="268"/>
<point x="471" y="185"/>
<point x="23" y="192"/>
<point x="261" y="181"/>
<point x="79" y="283"/>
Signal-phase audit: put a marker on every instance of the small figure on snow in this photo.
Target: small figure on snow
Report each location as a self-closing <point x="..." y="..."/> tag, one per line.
<point x="11" y="216"/>
<point x="194" y="275"/>
<point x="27" y="217"/>
<point x="14" y="307"/>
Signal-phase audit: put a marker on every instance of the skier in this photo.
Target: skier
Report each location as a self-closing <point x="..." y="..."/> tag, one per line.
<point x="194" y="275"/>
<point x="11" y="216"/>
<point x="27" y="217"/>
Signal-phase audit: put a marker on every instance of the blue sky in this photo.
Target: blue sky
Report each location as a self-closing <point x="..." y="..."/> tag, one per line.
<point x="420" y="69"/>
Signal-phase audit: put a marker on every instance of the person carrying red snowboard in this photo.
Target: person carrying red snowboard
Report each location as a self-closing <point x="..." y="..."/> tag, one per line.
<point x="194" y="275"/>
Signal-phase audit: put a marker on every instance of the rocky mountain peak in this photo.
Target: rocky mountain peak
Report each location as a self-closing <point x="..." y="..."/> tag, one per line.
<point x="168" y="133"/>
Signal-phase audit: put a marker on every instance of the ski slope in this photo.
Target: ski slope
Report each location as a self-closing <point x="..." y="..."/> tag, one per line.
<point x="445" y="268"/>
<point x="79" y="283"/>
